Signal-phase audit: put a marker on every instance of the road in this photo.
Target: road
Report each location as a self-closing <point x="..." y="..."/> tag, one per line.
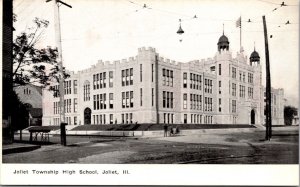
<point x="234" y="148"/>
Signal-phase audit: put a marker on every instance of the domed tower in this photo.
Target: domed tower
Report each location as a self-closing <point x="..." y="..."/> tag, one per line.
<point x="254" y="57"/>
<point x="223" y="43"/>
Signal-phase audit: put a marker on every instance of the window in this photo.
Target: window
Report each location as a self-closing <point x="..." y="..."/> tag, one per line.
<point x="104" y="79"/>
<point x="111" y="79"/>
<point x="75" y="104"/>
<point x="152" y="97"/>
<point x="171" y="78"/>
<point x="127" y="99"/>
<point x="104" y="101"/>
<point x="141" y="72"/>
<point x="164" y="76"/>
<point x="75" y="120"/>
<point x="123" y="100"/>
<point x="131" y="99"/>
<point x="168" y="99"/>
<point x="244" y="77"/>
<point x="131" y="76"/>
<point x="141" y="97"/>
<point x="220" y="85"/>
<point x="185" y="101"/>
<point x="233" y="89"/>
<point x="152" y="67"/>
<point x="75" y="86"/>
<point x="220" y="105"/>
<point x="250" y="92"/>
<point x="123" y="77"/>
<point x="191" y="101"/>
<point x="111" y="100"/>
<point x="86" y="91"/>
<point x="164" y="99"/>
<point x="184" y="80"/>
<point x="127" y="77"/>
<point x="123" y="121"/>
<point x="191" y="81"/>
<point x="242" y="91"/>
<point x="97" y="81"/>
<point x="250" y="78"/>
<point x="167" y="80"/>
<point x="234" y="72"/>
<point x="185" y="118"/>
<point x="220" y="70"/>
<point x="233" y="106"/>
<point x="111" y="118"/>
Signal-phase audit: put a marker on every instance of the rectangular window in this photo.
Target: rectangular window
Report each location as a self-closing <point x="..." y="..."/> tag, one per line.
<point x="131" y="76"/>
<point x="101" y="80"/>
<point x="75" y="105"/>
<point x="111" y="79"/>
<point x="168" y="99"/>
<point x="104" y="79"/>
<point x="123" y="77"/>
<point x="111" y="100"/>
<point x="233" y="72"/>
<point x="164" y="99"/>
<point x="127" y="77"/>
<point x="220" y="85"/>
<point x="111" y="118"/>
<point x="97" y="81"/>
<point x="141" y="97"/>
<point x="171" y="78"/>
<point x="234" y="106"/>
<point x="123" y="121"/>
<point x="185" y="118"/>
<point x="101" y="101"/>
<point x="131" y="99"/>
<point x="152" y="75"/>
<point x="123" y="100"/>
<point x="130" y="118"/>
<point x="220" y="70"/>
<point x="191" y="80"/>
<point x="185" y="101"/>
<point x="127" y="100"/>
<point x="233" y="89"/>
<point x="184" y="80"/>
<point x="164" y="76"/>
<point x="75" y="120"/>
<point x="171" y="97"/>
<point x="152" y="96"/>
<point x="141" y="72"/>
<point x="167" y="80"/>
<point x="75" y="86"/>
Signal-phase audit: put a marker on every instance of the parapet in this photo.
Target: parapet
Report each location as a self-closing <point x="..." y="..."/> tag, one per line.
<point x="142" y="49"/>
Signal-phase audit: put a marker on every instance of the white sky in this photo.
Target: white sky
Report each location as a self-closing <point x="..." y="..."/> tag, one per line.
<point x="114" y="29"/>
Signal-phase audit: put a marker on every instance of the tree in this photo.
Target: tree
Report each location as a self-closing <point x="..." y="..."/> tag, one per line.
<point x="33" y="65"/>
<point x="289" y="112"/>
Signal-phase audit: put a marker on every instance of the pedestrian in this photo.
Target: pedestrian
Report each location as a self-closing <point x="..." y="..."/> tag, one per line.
<point x="165" y="130"/>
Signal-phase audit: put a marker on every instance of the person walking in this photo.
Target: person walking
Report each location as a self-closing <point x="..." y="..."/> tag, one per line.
<point x="165" y="130"/>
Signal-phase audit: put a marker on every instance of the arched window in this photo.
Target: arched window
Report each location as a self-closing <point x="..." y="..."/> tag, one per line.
<point x="86" y="90"/>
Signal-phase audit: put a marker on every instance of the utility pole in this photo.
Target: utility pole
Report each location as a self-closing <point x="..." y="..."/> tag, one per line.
<point x="268" y="86"/>
<point x="57" y="4"/>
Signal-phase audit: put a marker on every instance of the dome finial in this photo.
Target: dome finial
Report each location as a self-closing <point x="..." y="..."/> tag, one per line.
<point x="223" y="28"/>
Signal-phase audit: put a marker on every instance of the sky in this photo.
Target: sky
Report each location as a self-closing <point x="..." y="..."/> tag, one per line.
<point x="111" y="30"/>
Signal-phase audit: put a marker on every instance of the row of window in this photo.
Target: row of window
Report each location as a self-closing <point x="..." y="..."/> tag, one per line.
<point x="127" y="99"/>
<point x="67" y="88"/>
<point x="208" y="85"/>
<point x="100" y="101"/>
<point x="242" y="75"/>
<point x="68" y="120"/>
<point x="99" y="80"/>
<point x="208" y="104"/>
<point x="127" y="77"/>
<point x="167" y="77"/>
<point x="195" y="101"/>
<point x="167" y="99"/>
<point x="197" y="119"/>
<point x="168" y="118"/>
<point x="195" y="81"/>
<point x="127" y="118"/>
<point x="242" y="91"/>
<point x="67" y="106"/>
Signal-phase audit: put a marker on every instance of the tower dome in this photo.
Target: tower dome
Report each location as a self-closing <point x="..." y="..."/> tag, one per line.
<point x="254" y="57"/>
<point x="223" y="43"/>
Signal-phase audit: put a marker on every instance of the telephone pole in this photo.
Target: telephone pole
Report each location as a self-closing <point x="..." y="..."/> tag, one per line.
<point x="268" y="86"/>
<point x="57" y="4"/>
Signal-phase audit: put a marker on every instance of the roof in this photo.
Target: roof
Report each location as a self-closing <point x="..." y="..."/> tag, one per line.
<point x="223" y="39"/>
<point x="36" y="112"/>
<point x="254" y="56"/>
<point x="39" y="89"/>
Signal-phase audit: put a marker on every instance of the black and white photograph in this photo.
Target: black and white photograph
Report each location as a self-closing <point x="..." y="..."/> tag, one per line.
<point x="112" y="91"/>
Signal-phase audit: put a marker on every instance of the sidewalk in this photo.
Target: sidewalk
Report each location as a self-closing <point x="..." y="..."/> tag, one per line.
<point x="18" y="148"/>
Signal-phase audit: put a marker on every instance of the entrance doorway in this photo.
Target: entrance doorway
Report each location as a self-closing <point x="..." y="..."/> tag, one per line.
<point x="252" y="116"/>
<point x="87" y="116"/>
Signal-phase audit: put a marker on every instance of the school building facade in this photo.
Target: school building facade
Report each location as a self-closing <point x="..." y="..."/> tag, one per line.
<point x="148" y="88"/>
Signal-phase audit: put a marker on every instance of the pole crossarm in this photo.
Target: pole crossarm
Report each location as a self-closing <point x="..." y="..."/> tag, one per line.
<point x="58" y="1"/>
